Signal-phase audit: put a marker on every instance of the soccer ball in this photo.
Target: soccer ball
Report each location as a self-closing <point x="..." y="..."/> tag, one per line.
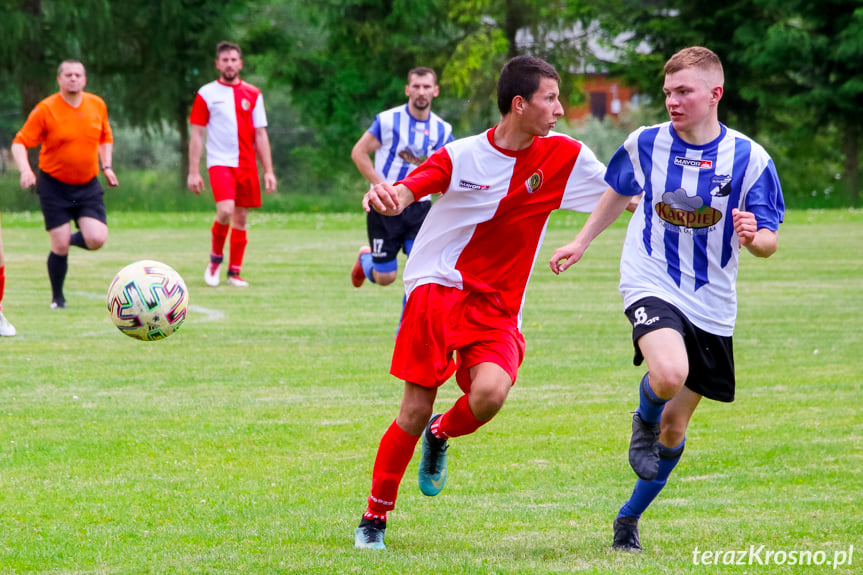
<point x="147" y="300"/>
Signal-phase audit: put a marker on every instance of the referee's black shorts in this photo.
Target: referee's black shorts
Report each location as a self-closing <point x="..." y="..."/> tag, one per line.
<point x="711" y="357"/>
<point x="62" y="202"/>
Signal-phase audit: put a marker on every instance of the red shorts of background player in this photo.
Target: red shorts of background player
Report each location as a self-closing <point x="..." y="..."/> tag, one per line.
<point x="439" y="321"/>
<point x="239" y="184"/>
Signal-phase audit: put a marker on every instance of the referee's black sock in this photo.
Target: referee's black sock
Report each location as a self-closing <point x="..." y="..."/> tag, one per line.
<point x="77" y="240"/>
<point x="57" y="267"/>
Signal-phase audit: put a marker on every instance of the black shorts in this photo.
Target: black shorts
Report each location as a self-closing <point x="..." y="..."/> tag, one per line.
<point x="62" y="202"/>
<point x="388" y="234"/>
<point x="711" y="357"/>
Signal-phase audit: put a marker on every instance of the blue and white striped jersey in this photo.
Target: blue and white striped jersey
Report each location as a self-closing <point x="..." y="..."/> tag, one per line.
<point x="681" y="245"/>
<point x="405" y="141"/>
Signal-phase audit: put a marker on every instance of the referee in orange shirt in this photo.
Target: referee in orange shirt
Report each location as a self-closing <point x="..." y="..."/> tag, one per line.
<point x="72" y="127"/>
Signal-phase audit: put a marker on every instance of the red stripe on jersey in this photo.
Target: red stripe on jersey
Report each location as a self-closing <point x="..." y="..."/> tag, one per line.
<point x="245" y="99"/>
<point x="502" y="251"/>
<point x="200" y="113"/>
<point x="432" y="176"/>
<point x="484" y="233"/>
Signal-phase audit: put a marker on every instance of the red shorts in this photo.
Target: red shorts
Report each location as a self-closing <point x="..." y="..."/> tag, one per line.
<point x="239" y="184"/>
<point x="439" y="320"/>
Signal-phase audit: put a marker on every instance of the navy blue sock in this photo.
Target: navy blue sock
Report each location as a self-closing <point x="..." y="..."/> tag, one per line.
<point x="650" y="406"/>
<point x="646" y="491"/>
<point x="367" y="263"/>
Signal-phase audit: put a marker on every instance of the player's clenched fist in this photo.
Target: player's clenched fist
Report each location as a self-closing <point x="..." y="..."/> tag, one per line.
<point x="384" y="199"/>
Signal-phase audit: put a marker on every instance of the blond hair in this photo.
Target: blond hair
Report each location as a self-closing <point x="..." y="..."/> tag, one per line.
<point x="696" y="57"/>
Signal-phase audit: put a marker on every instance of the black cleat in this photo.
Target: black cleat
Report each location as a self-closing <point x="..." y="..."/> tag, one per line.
<point x="644" y="448"/>
<point x="626" y="535"/>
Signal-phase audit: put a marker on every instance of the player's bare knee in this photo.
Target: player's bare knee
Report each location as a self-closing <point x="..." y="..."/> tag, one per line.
<point x="666" y="380"/>
<point x="486" y="401"/>
<point x="413" y="418"/>
<point x="94" y="243"/>
<point x="385" y="279"/>
<point x="224" y="215"/>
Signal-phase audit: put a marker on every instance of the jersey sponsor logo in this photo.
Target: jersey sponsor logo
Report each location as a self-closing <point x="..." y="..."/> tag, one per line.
<point x="703" y="218"/>
<point x="413" y="155"/>
<point x="679" y="209"/>
<point x="534" y="182"/>
<point x="245" y="105"/>
<point x="721" y="186"/>
<point x="693" y="163"/>
<point x="472" y="186"/>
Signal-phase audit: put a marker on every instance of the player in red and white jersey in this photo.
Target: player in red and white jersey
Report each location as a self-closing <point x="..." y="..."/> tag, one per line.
<point x="467" y="274"/>
<point x="232" y="114"/>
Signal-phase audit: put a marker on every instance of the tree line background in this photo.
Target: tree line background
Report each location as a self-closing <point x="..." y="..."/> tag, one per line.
<point x="794" y="77"/>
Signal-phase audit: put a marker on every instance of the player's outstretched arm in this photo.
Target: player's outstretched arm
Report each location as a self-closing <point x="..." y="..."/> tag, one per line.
<point x="387" y="199"/>
<point x="607" y="210"/>
<point x="762" y="242"/>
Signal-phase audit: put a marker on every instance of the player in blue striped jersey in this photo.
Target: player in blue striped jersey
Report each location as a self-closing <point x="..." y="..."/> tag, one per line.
<point x="400" y="138"/>
<point x="707" y="191"/>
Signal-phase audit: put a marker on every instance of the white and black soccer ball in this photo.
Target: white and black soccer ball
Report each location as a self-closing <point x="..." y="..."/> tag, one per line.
<point x="148" y="300"/>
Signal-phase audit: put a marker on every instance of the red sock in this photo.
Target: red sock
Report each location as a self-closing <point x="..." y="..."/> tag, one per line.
<point x="220" y="234"/>
<point x="458" y="421"/>
<point x="238" y="249"/>
<point x="394" y="454"/>
<point x="2" y="284"/>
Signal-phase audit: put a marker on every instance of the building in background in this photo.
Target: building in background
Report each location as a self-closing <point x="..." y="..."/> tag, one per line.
<point x="605" y="96"/>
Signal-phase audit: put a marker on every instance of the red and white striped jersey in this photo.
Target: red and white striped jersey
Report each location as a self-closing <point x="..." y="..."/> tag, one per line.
<point x="484" y="232"/>
<point x="230" y="113"/>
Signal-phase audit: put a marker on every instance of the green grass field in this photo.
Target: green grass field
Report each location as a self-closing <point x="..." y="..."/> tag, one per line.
<point x="244" y="443"/>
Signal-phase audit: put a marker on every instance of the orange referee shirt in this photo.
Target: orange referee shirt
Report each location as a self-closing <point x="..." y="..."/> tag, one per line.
<point x="70" y="137"/>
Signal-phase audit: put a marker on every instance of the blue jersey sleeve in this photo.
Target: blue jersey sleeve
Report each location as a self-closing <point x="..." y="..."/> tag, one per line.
<point x="764" y="199"/>
<point x="375" y="129"/>
<point x="620" y="174"/>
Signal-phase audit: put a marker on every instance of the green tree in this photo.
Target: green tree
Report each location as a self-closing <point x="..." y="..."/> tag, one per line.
<point x="35" y="36"/>
<point x="164" y="52"/>
<point x="345" y="60"/>
<point x="792" y="67"/>
<point x="812" y="54"/>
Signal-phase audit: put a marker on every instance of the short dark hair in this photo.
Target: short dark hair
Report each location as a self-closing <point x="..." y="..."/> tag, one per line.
<point x="227" y="46"/>
<point x="422" y="71"/>
<point x="70" y="61"/>
<point x="520" y="77"/>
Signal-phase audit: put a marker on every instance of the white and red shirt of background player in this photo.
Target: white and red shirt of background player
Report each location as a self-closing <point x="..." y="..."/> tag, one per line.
<point x="230" y="112"/>
<point x="484" y="232"/>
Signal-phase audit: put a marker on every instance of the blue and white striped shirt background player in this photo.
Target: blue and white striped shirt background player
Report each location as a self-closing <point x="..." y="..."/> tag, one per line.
<point x="708" y="191"/>
<point x="680" y="244"/>
<point x="401" y="139"/>
<point x="405" y="141"/>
